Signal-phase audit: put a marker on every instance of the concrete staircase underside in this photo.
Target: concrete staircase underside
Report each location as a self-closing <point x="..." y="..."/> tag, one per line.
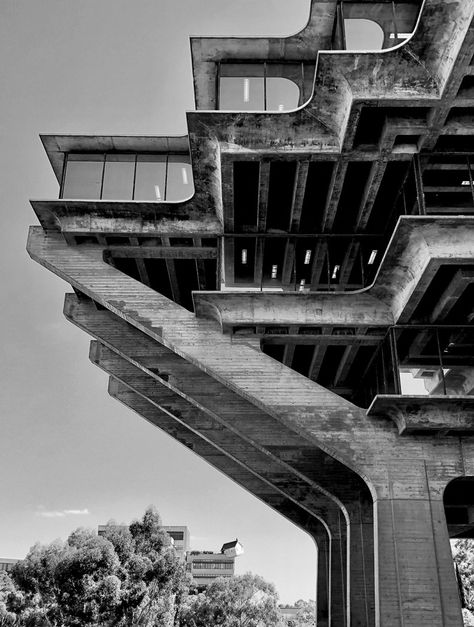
<point x="369" y="497"/>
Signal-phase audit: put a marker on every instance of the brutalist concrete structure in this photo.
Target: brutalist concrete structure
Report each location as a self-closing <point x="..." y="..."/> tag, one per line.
<point x="303" y="318"/>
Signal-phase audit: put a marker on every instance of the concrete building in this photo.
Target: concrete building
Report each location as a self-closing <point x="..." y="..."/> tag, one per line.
<point x="275" y="289"/>
<point x="179" y="535"/>
<point x="6" y="564"/>
<point x="206" y="566"/>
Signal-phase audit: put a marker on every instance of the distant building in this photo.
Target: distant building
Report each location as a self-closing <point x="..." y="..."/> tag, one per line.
<point x="180" y="537"/>
<point x="287" y="614"/>
<point x="6" y="564"/>
<point x="204" y="566"/>
<point x="232" y="549"/>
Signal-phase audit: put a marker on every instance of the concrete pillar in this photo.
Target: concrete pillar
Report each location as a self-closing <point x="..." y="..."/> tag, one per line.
<point x="361" y="564"/>
<point x="323" y="597"/>
<point x="416" y="584"/>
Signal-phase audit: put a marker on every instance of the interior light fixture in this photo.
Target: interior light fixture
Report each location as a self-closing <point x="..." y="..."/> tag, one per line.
<point x="184" y="174"/>
<point x="400" y="35"/>
<point x="274" y="271"/>
<point x="307" y="257"/>
<point x="465" y="183"/>
<point x="157" y="192"/>
<point x="243" y="256"/>
<point x="373" y="254"/>
<point x="335" y="271"/>
<point x="246" y="90"/>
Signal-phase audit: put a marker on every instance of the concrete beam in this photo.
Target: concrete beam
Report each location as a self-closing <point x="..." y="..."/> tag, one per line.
<point x="162" y="252"/>
<point x="204" y="393"/>
<point x="419" y="247"/>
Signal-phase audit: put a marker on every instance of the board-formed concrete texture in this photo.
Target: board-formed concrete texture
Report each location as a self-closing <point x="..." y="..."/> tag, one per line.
<point x="302" y="318"/>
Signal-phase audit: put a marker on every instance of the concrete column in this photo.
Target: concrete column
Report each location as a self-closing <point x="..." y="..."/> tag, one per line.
<point x="416" y="585"/>
<point x="323" y="597"/>
<point x="339" y="609"/>
<point x="361" y="564"/>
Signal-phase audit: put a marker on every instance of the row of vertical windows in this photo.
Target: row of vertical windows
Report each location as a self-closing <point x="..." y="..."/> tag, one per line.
<point x="127" y="177"/>
<point x="213" y="565"/>
<point x="256" y="87"/>
<point x="282" y="87"/>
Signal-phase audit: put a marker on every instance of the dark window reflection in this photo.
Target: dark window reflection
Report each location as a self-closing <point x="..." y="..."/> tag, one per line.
<point x="118" y="177"/>
<point x="83" y="176"/>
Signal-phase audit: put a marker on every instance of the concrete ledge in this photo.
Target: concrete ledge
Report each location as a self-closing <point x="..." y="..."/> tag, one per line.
<point x="417" y="414"/>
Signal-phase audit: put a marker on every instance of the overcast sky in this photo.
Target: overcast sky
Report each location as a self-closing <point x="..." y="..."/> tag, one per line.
<point x="69" y="454"/>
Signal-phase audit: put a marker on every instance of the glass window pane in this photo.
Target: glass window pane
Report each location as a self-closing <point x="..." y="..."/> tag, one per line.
<point x="241" y="93"/>
<point x="179" y="184"/>
<point x="150" y="177"/>
<point x="83" y="177"/>
<point x="362" y="34"/>
<point x="282" y="94"/>
<point x="118" y="177"/>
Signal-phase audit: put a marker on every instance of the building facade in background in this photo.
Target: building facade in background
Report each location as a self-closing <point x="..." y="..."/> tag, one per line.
<point x="288" y="290"/>
<point x="203" y="566"/>
<point x="7" y="564"/>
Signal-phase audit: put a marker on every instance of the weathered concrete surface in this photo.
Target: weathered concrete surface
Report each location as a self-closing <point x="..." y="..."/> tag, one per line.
<point x="435" y="413"/>
<point x="418" y="247"/>
<point x="407" y="475"/>
<point x="85" y="217"/>
<point x="335" y="451"/>
<point x="327" y="586"/>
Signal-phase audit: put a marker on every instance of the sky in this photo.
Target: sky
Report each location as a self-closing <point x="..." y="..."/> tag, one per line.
<point x="69" y="455"/>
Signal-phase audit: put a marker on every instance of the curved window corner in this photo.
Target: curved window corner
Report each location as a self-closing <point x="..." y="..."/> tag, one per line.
<point x="258" y="87"/>
<point x="363" y="34"/>
<point x="282" y="94"/>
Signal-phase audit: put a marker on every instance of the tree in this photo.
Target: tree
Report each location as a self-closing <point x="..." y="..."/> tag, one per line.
<point x="241" y="601"/>
<point x="306" y="615"/>
<point x="463" y="553"/>
<point x="131" y="576"/>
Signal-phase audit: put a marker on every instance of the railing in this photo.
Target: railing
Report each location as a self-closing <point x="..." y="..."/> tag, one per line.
<point x="421" y="360"/>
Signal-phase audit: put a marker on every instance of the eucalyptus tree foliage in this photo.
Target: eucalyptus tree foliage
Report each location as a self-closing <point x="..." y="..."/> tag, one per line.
<point x="241" y="601"/>
<point x="463" y="553"/>
<point x="129" y="577"/>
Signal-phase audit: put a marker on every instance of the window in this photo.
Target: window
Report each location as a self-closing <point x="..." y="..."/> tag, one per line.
<point x="212" y="565"/>
<point x="150" y="178"/>
<point x="128" y="176"/>
<point x="176" y="535"/>
<point x="83" y="176"/>
<point x="257" y="87"/>
<point x="118" y="177"/>
<point x="362" y="34"/>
